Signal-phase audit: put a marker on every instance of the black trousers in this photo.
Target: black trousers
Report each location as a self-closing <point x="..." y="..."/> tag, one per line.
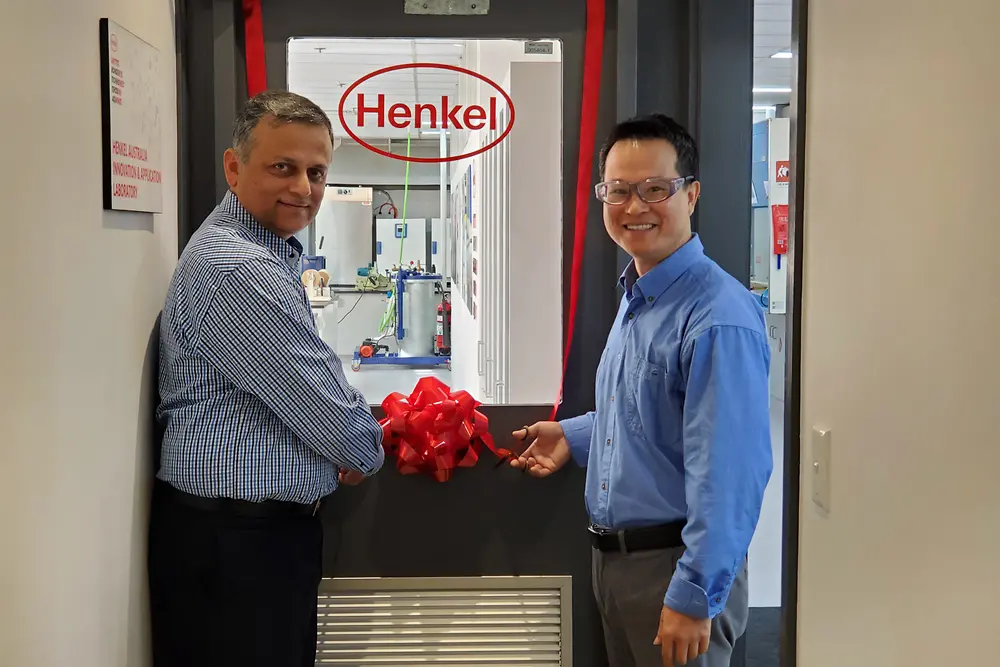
<point x="232" y="591"/>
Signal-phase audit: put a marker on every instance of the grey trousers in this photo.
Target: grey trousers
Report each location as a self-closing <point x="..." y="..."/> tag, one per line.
<point x="630" y="588"/>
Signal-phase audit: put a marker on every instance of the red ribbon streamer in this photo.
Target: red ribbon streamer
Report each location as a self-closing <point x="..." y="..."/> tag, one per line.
<point x="592" y="57"/>
<point x="253" y="27"/>
<point x="435" y="430"/>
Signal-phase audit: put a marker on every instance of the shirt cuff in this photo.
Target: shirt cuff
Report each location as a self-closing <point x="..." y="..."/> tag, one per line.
<point x="578" y="431"/>
<point x="691" y="600"/>
<point x="378" y="463"/>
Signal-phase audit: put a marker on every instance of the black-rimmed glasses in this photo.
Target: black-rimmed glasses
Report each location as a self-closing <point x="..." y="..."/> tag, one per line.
<point x="651" y="190"/>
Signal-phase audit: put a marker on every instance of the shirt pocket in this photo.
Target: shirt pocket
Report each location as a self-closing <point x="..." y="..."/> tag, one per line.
<point x="656" y="405"/>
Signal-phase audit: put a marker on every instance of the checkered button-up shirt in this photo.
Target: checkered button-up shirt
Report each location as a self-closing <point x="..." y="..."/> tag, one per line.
<point x="255" y="405"/>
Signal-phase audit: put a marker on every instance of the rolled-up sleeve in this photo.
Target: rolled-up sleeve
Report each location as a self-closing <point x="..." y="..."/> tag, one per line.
<point x="258" y="333"/>
<point x="727" y="463"/>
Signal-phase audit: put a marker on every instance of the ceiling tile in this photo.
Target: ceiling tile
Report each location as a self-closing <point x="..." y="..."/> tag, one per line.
<point x="322" y="69"/>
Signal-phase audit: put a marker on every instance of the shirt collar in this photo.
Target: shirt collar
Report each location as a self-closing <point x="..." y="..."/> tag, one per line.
<point x="656" y="281"/>
<point x="289" y="251"/>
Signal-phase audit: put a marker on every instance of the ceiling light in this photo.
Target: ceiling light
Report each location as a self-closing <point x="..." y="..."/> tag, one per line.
<point x="763" y="107"/>
<point x="771" y="89"/>
<point x="783" y="55"/>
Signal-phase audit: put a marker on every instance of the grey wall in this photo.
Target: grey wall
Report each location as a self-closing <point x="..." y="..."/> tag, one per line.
<point x="691" y="59"/>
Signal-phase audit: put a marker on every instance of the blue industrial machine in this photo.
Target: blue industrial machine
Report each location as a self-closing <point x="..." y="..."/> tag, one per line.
<point x="418" y="318"/>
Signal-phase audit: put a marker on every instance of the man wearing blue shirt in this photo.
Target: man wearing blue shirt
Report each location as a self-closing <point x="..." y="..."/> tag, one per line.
<point x="678" y="451"/>
<point x="260" y="420"/>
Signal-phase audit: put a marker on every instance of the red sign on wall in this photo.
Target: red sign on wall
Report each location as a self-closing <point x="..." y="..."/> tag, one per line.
<point x="781" y="171"/>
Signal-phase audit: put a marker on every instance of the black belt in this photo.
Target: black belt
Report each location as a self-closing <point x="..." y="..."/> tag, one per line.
<point x="666" y="536"/>
<point x="232" y="506"/>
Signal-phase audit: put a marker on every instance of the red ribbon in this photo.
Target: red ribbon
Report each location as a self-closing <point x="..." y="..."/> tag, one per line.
<point x="592" y="56"/>
<point x="435" y="430"/>
<point x="253" y="27"/>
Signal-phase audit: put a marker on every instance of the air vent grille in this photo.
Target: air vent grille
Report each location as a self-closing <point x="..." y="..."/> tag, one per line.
<point x="455" y="621"/>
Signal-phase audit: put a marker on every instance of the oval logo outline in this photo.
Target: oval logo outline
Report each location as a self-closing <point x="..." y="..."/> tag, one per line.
<point x="404" y="158"/>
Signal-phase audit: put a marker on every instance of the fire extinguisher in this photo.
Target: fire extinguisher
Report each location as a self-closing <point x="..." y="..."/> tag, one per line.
<point x="443" y="338"/>
<point x="779" y="223"/>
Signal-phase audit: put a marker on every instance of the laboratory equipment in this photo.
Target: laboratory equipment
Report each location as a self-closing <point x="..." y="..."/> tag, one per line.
<point x="412" y="319"/>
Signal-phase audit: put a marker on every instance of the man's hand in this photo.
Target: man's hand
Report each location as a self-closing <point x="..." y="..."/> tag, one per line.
<point x="681" y="638"/>
<point x="351" y="477"/>
<point x="547" y="452"/>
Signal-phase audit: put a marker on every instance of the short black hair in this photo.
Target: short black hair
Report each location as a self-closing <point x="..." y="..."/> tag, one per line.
<point x="283" y="107"/>
<point x="656" y="126"/>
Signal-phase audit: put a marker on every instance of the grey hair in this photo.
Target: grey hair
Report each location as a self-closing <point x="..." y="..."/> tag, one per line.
<point x="282" y="107"/>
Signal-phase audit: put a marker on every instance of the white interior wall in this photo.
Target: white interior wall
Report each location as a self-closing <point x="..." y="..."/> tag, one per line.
<point x="535" y="239"/>
<point x="760" y="266"/>
<point x="492" y="59"/>
<point x="901" y="363"/>
<point x="765" y="548"/>
<point x="466" y="360"/>
<point x="419" y="203"/>
<point x="535" y="288"/>
<point x="778" y="150"/>
<point x="355" y="165"/>
<point x="80" y="289"/>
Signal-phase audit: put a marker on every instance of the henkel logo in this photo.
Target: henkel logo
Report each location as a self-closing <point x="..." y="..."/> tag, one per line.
<point x="373" y="110"/>
<point x="782" y="171"/>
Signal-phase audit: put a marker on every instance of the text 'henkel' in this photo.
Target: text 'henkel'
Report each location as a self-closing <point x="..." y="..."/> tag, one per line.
<point x="426" y="116"/>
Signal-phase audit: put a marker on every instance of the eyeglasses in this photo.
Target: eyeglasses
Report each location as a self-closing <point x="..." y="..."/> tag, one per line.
<point x="651" y="191"/>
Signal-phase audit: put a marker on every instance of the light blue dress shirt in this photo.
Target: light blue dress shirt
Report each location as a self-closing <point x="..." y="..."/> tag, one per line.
<point x="682" y="426"/>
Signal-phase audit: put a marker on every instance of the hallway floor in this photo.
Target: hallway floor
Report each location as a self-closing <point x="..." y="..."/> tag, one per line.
<point x="764" y="624"/>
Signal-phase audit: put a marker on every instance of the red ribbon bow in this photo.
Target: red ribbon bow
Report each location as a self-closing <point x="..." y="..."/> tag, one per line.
<point x="435" y="430"/>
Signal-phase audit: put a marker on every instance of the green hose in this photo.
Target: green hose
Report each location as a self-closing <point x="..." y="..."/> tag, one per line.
<point x="389" y="316"/>
<point x="406" y="192"/>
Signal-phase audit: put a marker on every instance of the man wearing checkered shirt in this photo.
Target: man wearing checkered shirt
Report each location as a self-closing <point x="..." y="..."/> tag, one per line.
<point x="260" y="421"/>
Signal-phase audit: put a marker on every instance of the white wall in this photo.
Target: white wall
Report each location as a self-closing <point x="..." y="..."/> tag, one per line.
<point x="765" y="548"/>
<point x="355" y="165"/>
<point x="419" y="203"/>
<point x="492" y="59"/>
<point x="760" y="245"/>
<point x="778" y="150"/>
<point x="536" y="228"/>
<point x="901" y="363"/>
<point x="526" y="360"/>
<point x="80" y="290"/>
